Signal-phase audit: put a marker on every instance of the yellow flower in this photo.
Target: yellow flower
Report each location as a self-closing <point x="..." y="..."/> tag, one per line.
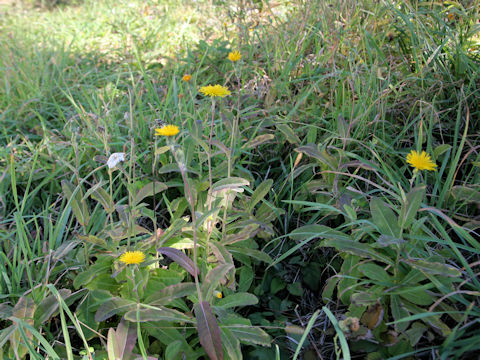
<point x="218" y="294"/>
<point x="421" y="161"/>
<point x="167" y="130"/>
<point x="234" y="56"/>
<point x="187" y="77"/>
<point x="215" y="90"/>
<point x="132" y="257"/>
<point x="451" y="16"/>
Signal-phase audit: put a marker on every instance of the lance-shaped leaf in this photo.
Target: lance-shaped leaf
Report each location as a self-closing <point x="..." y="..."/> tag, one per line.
<point x="410" y="207"/>
<point x="180" y="258"/>
<point x="112" y="307"/>
<point x="170" y="293"/>
<point x="75" y="198"/>
<point x="49" y="306"/>
<point x="103" y="198"/>
<point x="229" y="183"/>
<point x="433" y="268"/>
<point x="144" y="313"/>
<point x="384" y="218"/>
<point x="120" y="343"/>
<point x="208" y="331"/>
<point x="237" y="299"/>
<point x="260" y="192"/>
<point x="231" y="344"/>
<point x="150" y="189"/>
<point x="213" y="278"/>
<point x="288" y="132"/>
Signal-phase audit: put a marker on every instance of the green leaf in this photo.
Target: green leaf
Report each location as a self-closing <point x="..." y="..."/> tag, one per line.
<point x="213" y="278"/>
<point x="230" y="183"/>
<point x="376" y="273"/>
<point x="48" y="306"/>
<point x="259" y="194"/>
<point x="288" y="132"/>
<point x="100" y="195"/>
<point x="173" y="349"/>
<point x="231" y="344"/>
<point x="75" y="196"/>
<point x="208" y="331"/>
<point x="356" y="248"/>
<point x="433" y="268"/>
<point x="399" y="312"/>
<point x="410" y="207"/>
<point x="251" y="335"/>
<point x="246" y="278"/>
<point x="112" y="307"/>
<point x="384" y="218"/>
<point x="237" y="299"/>
<point x="295" y="289"/>
<point x="170" y="293"/>
<point x="150" y="189"/>
<point x="144" y="313"/>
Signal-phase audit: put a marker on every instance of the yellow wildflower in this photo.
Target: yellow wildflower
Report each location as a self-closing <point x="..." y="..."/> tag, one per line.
<point x="234" y="56"/>
<point x="218" y="294"/>
<point x="187" y="77"/>
<point x="451" y="16"/>
<point x="215" y="90"/>
<point x="132" y="257"/>
<point x="167" y="130"/>
<point x="421" y="161"/>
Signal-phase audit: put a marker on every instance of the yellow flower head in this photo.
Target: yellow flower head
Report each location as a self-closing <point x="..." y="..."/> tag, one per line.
<point x="132" y="257"/>
<point x="167" y="130"/>
<point x="187" y="77"/>
<point x="218" y="294"/>
<point x="234" y="56"/>
<point x="421" y="161"/>
<point x="451" y="16"/>
<point x="215" y="90"/>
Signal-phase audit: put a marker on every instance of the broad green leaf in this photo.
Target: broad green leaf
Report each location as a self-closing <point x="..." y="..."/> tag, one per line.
<point x="49" y="306"/>
<point x="376" y="273"/>
<point x="410" y="207"/>
<point x="384" y="218"/>
<point x="100" y="195"/>
<point x="433" y="268"/>
<point x="173" y="349"/>
<point x="246" y="278"/>
<point x="288" y="132"/>
<point x="356" y="248"/>
<point x="398" y="312"/>
<point x="112" y="307"/>
<point x="259" y="194"/>
<point x="170" y="293"/>
<point x="348" y="273"/>
<point x="208" y="331"/>
<point x="213" y="278"/>
<point x="150" y="189"/>
<point x="237" y="299"/>
<point x="231" y="344"/>
<point x="144" y="313"/>
<point x="75" y="196"/>
<point x="251" y="335"/>
<point x="230" y="183"/>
